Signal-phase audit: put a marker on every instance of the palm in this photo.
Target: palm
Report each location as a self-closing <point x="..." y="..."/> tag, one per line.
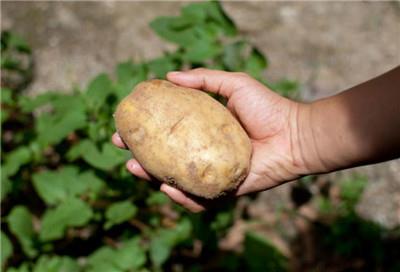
<point x="265" y="116"/>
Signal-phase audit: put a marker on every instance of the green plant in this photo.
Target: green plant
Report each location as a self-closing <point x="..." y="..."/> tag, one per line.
<point x="68" y="204"/>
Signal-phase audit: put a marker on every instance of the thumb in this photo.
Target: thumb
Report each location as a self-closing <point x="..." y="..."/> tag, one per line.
<point x="215" y="81"/>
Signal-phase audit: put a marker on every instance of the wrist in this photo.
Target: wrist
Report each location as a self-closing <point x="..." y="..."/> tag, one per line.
<point x="306" y="148"/>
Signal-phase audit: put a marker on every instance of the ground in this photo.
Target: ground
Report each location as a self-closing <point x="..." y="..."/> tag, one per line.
<point x="327" y="47"/>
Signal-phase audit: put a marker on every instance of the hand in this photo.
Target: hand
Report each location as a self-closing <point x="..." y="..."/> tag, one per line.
<point x="271" y="121"/>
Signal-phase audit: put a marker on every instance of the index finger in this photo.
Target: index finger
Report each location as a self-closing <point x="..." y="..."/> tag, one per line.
<point x="215" y="81"/>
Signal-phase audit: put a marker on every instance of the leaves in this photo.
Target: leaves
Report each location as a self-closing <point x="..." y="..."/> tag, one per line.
<point x="6" y="248"/>
<point x="161" y="66"/>
<point x="164" y="240"/>
<point x="351" y="190"/>
<point x="98" y="90"/>
<point x="22" y="268"/>
<point x="57" y="186"/>
<point x="105" y="159"/>
<point x="6" y="186"/>
<point x="67" y="115"/>
<point x="260" y="255"/>
<point x="6" y="96"/>
<point x="15" y="159"/>
<point x="196" y="30"/>
<point x="56" y="264"/>
<point x="129" y="257"/>
<point x="20" y="224"/>
<point x="285" y="87"/>
<point x="10" y="40"/>
<point x="119" y="212"/>
<point x="157" y="198"/>
<point x="233" y="56"/>
<point x="255" y="63"/>
<point x="71" y="213"/>
<point x="29" y="104"/>
<point x="128" y="75"/>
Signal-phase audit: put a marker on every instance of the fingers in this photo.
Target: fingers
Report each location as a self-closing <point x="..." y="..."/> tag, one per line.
<point x="117" y="140"/>
<point x="135" y="168"/>
<point x="220" y="82"/>
<point x="180" y="198"/>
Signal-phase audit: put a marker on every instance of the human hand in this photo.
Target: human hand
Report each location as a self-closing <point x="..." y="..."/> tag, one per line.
<point x="270" y="120"/>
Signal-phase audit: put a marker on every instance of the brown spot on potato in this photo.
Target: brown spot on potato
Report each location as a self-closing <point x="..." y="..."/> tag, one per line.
<point x="170" y="180"/>
<point x="192" y="170"/>
<point x="137" y="134"/>
<point x="175" y="125"/>
<point x="156" y="82"/>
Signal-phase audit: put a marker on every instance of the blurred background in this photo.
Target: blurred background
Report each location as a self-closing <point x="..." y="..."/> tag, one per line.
<point x="344" y="221"/>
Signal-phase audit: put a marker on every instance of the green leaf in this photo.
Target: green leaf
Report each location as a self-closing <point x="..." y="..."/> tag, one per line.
<point x="157" y="198"/>
<point x="161" y="66"/>
<point x="233" y="56"/>
<point x="200" y="52"/>
<point x="164" y="240"/>
<point x="52" y="127"/>
<point x="56" y="264"/>
<point x="98" y="90"/>
<point x="222" y="220"/>
<point x="92" y="182"/>
<point x="22" y="268"/>
<point x="195" y="12"/>
<point x="261" y="255"/>
<point x="6" y="96"/>
<point x="159" y="251"/>
<point x="10" y="40"/>
<point x="285" y="87"/>
<point x="128" y="75"/>
<point x="351" y="189"/>
<point x="56" y="186"/>
<point x="4" y="115"/>
<point x="255" y="63"/>
<point x="6" y="248"/>
<point x="15" y="159"/>
<point x="102" y="260"/>
<point x="217" y="14"/>
<point x="119" y="212"/>
<point x="6" y="186"/>
<point x="164" y="27"/>
<point x="105" y="159"/>
<point x="28" y="104"/>
<point x="130" y="256"/>
<point x="71" y="213"/>
<point x="20" y="224"/>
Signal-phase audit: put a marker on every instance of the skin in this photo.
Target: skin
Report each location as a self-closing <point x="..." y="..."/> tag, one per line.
<point x="292" y="139"/>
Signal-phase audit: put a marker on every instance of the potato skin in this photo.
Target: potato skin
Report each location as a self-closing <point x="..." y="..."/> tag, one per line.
<point x="184" y="137"/>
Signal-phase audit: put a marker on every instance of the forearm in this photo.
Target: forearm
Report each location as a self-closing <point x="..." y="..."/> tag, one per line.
<point x="358" y="126"/>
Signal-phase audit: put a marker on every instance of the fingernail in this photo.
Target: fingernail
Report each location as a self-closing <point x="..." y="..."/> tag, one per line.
<point x="174" y="73"/>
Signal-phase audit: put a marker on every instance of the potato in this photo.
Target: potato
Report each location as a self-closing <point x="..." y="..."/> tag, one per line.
<point x="184" y="137"/>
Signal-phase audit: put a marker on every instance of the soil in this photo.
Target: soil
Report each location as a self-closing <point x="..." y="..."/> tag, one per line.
<point x="326" y="46"/>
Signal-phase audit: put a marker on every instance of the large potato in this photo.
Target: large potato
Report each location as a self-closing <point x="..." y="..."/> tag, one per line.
<point x="184" y="137"/>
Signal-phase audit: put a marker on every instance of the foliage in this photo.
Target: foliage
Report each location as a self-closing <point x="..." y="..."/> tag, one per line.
<point x="66" y="195"/>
